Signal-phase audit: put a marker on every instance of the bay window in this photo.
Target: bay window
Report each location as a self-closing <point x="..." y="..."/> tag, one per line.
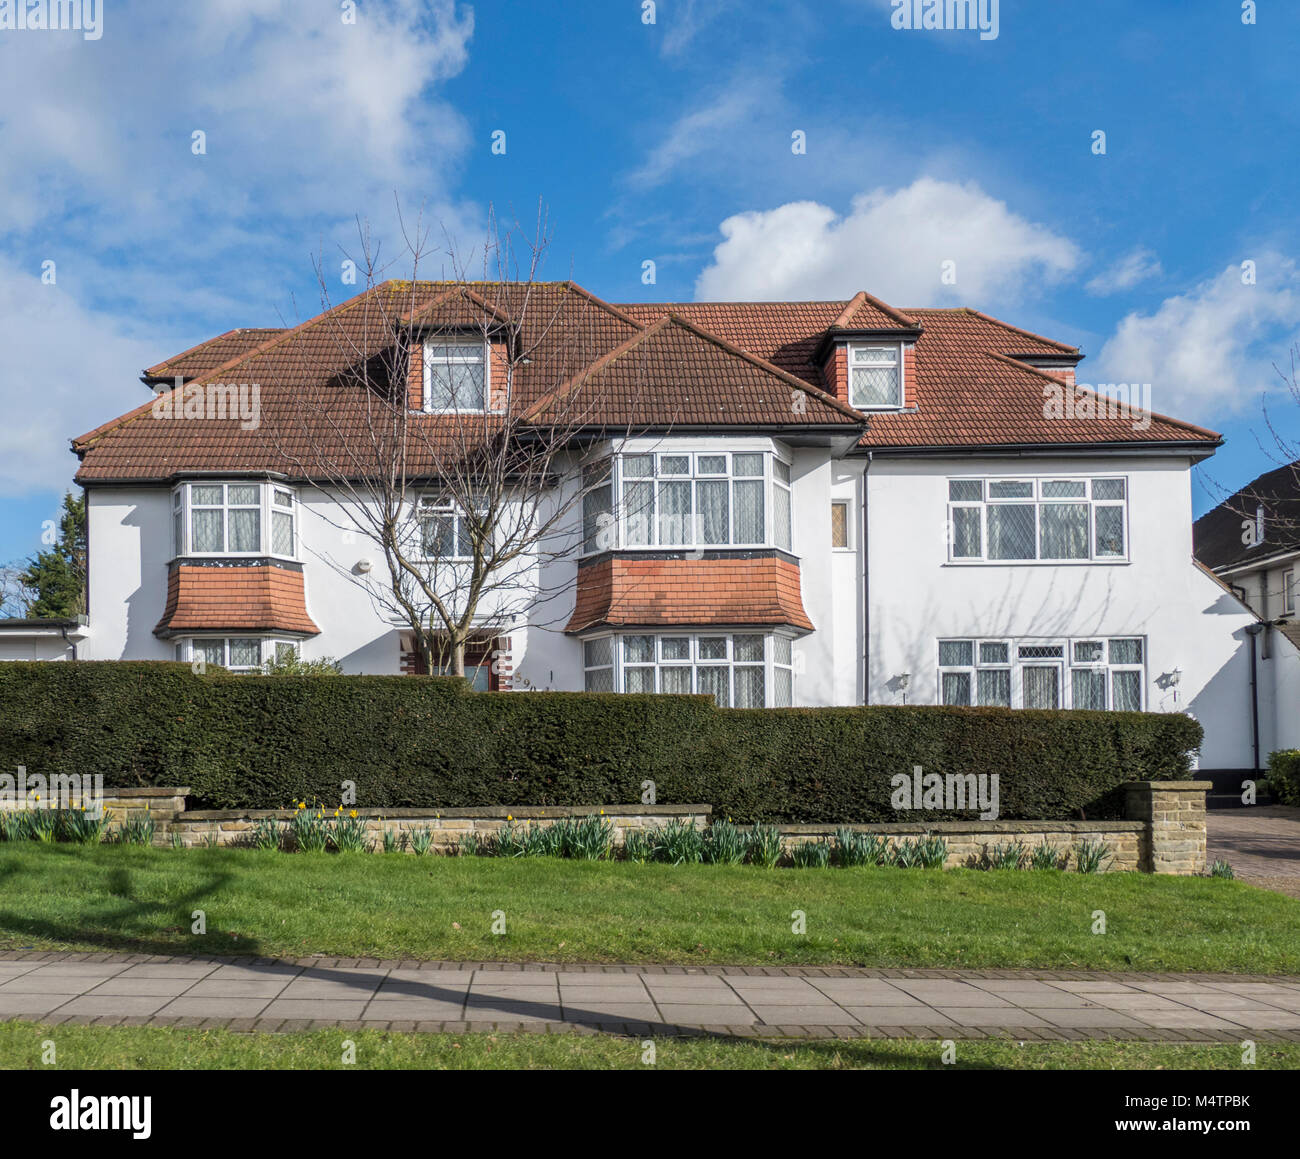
<point x="240" y="654"/>
<point x="744" y="670"/>
<point x="688" y="499"/>
<point x="234" y="519"/>
<point x="1096" y="674"/>
<point x="1045" y="520"/>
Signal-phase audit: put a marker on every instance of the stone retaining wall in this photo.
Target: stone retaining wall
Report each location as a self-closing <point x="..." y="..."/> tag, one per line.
<point x="967" y="840"/>
<point x="235" y="827"/>
<point x="1163" y="832"/>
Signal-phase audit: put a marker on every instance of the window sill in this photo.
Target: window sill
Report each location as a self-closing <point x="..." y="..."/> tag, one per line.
<point x="1038" y="563"/>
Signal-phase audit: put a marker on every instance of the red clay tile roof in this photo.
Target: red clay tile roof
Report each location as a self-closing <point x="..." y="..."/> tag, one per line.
<point x="675" y="374"/>
<point x="867" y="313"/>
<point x="966" y="390"/>
<point x="763" y="590"/>
<point x="214" y="352"/>
<point x="707" y="363"/>
<point x="258" y="598"/>
<point x="564" y="330"/>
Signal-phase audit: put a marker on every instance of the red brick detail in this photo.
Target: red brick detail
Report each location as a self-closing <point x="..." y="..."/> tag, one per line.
<point x="262" y="598"/>
<point x="667" y="592"/>
<point x="415" y="376"/>
<point x="496" y="653"/>
<point x="835" y="372"/>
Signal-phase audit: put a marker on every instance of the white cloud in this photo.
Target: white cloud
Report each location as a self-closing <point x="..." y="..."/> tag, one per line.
<point x="702" y="130"/>
<point x="67" y="369"/>
<point x="303" y="114"/>
<point x="892" y="243"/>
<point x="1209" y="352"/>
<point x="1134" y="267"/>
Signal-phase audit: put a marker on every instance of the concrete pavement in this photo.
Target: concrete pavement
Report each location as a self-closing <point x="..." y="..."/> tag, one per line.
<point x="458" y="997"/>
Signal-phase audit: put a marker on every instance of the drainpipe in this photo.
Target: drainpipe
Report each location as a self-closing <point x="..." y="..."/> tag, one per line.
<point x="1253" y="630"/>
<point x="866" y="589"/>
<point x="67" y="641"/>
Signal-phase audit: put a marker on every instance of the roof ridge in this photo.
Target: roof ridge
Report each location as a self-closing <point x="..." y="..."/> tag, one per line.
<point x="81" y="442"/>
<point x="770" y="368"/>
<point x="1019" y="330"/>
<point x="610" y="306"/>
<point x="862" y="298"/>
<point x="576" y="380"/>
<point x="1024" y="366"/>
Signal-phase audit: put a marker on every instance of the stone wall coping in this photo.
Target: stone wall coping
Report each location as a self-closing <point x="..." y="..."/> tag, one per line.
<point x="485" y="812"/>
<point x="148" y="791"/>
<point x="968" y="827"/>
<point x="1176" y="786"/>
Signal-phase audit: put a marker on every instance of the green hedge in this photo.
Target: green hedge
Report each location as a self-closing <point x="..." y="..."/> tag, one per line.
<point x="1284" y="776"/>
<point x="249" y="742"/>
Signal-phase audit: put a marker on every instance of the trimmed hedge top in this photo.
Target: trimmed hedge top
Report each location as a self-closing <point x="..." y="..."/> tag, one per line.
<point x="262" y="742"/>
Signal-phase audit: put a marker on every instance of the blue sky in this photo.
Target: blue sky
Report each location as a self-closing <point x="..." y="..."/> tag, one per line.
<point x="667" y="142"/>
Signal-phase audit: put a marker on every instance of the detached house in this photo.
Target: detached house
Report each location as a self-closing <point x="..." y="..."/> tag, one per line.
<point x="783" y="503"/>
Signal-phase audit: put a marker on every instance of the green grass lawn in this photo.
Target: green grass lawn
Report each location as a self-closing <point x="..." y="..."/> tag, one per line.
<point x="135" y="1048"/>
<point x="400" y="906"/>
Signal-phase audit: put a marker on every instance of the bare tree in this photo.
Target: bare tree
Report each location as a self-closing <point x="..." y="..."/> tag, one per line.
<point x="1272" y="514"/>
<point x="16" y="597"/>
<point x="471" y="476"/>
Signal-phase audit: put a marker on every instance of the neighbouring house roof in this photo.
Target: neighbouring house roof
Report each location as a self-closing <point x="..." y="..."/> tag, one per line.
<point x="759" y="589"/>
<point x="1217" y="535"/>
<point x="705" y="364"/>
<point x="254" y="598"/>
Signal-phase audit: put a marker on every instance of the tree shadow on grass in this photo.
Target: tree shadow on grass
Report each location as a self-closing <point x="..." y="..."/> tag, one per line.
<point x="173" y="915"/>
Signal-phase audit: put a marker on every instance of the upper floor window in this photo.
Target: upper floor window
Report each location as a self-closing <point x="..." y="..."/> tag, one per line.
<point x="875" y="377"/>
<point x="839" y="523"/>
<point x="1288" y="591"/>
<point x="689" y="499"/>
<point x="455" y="375"/>
<point x="234" y="519"/>
<point x="445" y="532"/>
<point x="1051" y="520"/>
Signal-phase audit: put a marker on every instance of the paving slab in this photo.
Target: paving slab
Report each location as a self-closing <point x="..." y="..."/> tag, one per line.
<point x="772" y="1001"/>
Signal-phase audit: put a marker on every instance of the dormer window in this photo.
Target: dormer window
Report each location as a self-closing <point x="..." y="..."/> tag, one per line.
<point x="875" y="377"/>
<point x="455" y="375"/>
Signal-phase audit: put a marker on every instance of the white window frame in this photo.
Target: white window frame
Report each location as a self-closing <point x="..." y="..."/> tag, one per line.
<point x="431" y="506"/>
<point x="1288" y="592"/>
<point x="778" y="657"/>
<point x="1038" y="501"/>
<point x="268" y="647"/>
<point x="775" y="466"/>
<point x="453" y="343"/>
<point x="1066" y="663"/>
<point x="847" y="504"/>
<point x="896" y="349"/>
<point x="267" y="507"/>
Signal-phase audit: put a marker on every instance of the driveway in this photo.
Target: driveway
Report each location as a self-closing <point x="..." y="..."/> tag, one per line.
<point x="1261" y="843"/>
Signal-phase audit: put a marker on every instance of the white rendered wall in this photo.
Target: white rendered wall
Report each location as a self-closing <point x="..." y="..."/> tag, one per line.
<point x="1190" y="622"/>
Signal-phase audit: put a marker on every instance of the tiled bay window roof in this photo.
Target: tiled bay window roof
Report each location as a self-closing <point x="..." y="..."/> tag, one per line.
<point x="758" y="589"/>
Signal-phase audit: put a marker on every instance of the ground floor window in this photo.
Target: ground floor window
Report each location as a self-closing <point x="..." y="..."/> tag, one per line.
<point x="1099" y="674"/>
<point x="746" y="670"/>
<point x="237" y="653"/>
